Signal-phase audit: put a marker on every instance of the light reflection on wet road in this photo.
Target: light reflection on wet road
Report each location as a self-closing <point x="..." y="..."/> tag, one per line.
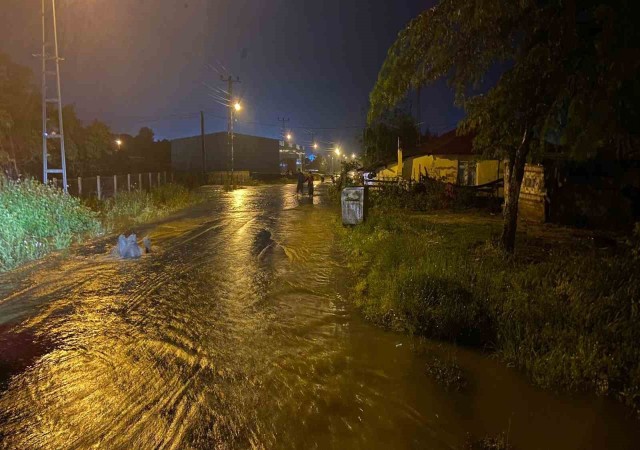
<point x="233" y="335"/>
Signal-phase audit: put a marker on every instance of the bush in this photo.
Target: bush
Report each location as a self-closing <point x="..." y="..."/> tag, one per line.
<point x="36" y="219"/>
<point x="426" y="196"/>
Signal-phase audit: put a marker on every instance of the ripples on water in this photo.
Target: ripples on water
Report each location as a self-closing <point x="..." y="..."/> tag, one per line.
<point x="231" y="335"/>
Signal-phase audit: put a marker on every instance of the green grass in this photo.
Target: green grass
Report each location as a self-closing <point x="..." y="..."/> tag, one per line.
<point x="130" y="208"/>
<point x="36" y="219"/>
<point x="562" y="310"/>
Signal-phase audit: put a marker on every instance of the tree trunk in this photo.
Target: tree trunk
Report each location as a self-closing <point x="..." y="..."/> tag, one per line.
<point x="512" y="186"/>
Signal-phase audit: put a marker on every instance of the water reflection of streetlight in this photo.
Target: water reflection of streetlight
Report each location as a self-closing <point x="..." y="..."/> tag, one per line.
<point x="239" y="198"/>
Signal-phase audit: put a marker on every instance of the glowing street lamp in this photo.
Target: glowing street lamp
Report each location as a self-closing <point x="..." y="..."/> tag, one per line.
<point x="289" y="136"/>
<point x="119" y="143"/>
<point x="353" y="156"/>
<point x="315" y="146"/>
<point x="337" y="151"/>
<point x="237" y="106"/>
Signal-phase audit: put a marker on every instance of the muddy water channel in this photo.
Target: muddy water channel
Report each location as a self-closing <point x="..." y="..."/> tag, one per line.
<point x="233" y="334"/>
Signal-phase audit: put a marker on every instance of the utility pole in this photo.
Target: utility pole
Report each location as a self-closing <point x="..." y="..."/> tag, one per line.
<point x="284" y="132"/>
<point x="419" y="111"/>
<point x="230" y="82"/>
<point x="59" y="135"/>
<point x="284" y="128"/>
<point x="204" y="157"/>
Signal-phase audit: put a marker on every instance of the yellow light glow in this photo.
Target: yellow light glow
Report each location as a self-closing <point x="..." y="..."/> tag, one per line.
<point x="239" y="199"/>
<point x="118" y="142"/>
<point x="237" y="106"/>
<point x="288" y="136"/>
<point x="353" y="156"/>
<point x="315" y="146"/>
<point x="337" y="151"/>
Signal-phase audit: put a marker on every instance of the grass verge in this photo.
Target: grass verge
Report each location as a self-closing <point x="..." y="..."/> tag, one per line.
<point x="135" y="207"/>
<point x="36" y="219"/>
<point x="563" y="310"/>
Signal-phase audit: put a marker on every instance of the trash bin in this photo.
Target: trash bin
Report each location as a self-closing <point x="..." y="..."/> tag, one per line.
<point x="353" y="205"/>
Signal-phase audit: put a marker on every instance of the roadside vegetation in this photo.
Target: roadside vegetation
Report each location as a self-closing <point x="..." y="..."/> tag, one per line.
<point x="36" y="219"/>
<point x="564" y="309"/>
<point x="136" y="207"/>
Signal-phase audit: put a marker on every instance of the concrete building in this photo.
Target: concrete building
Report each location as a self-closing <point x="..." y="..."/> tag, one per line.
<point x="291" y="157"/>
<point x="251" y="153"/>
<point x="449" y="158"/>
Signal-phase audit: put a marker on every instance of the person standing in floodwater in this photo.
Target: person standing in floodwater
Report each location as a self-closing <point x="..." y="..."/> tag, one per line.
<point x="301" y="178"/>
<point x="310" y="184"/>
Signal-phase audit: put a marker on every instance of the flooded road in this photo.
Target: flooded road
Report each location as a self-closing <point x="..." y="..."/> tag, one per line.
<point x="233" y="334"/>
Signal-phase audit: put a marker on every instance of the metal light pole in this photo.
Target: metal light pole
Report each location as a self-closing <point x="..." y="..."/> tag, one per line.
<point x="232" y="106"/>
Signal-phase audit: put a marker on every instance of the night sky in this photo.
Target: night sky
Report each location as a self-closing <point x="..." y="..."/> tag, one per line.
<point x="134" y="63"/>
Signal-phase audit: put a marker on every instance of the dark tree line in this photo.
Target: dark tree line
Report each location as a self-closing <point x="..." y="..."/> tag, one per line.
<point x="91" y="148"/>
<point x="380" y="138"/>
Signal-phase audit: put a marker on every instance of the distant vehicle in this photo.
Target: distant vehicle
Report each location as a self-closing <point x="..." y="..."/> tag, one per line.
<point x="369" y="178"/>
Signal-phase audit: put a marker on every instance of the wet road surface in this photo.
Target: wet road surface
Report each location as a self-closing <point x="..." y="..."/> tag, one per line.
<point x="233" y="334"/>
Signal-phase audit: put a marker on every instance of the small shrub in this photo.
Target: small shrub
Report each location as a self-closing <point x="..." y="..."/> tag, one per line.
<point x="447" y="373"/>
<point x="430" y="195"/>
<point x="36" y="219"/>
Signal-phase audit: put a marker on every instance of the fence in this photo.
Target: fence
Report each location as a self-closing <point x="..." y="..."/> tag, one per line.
<point x="108" y="186"/>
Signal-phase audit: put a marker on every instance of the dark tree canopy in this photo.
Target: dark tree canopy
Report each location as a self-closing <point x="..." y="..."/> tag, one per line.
<point x="380" y="137"/>
<point x="571" y="71"/>
<point x="91" y="149"/>
<point x="569" y="77"/>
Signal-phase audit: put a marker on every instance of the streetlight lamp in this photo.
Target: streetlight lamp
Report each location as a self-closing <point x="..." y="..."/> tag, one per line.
<point x="119" y="143"/>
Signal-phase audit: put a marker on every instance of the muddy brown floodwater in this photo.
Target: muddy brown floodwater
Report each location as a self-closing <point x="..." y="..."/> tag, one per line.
<point x="233" y="334"/>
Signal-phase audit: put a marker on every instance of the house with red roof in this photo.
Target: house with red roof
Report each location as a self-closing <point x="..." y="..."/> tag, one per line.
<point x="449" y="158"/>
